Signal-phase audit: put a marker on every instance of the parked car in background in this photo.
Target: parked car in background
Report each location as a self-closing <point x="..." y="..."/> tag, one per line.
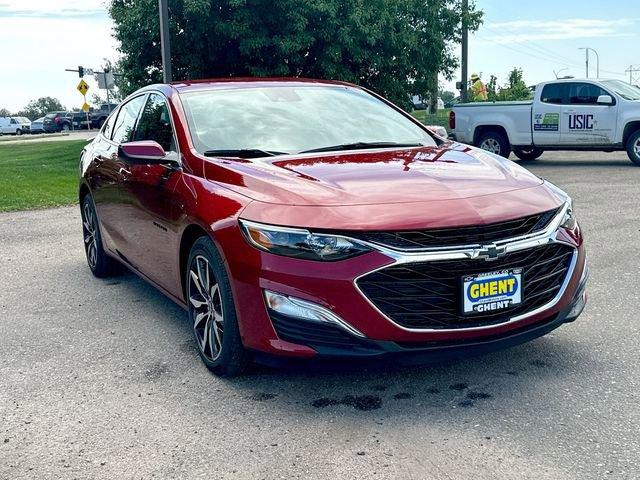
<point x="56" y="122"/>
<point x="420" y="103"/>
<point x="79" y="120"/>
<point x="37" y="126"/>
<point x="14" y="125"/>
<point x="94" y="118"/>
<point x="350" y="233"/>
<point x="99" y="115"/>
<point x="565" y="114"/>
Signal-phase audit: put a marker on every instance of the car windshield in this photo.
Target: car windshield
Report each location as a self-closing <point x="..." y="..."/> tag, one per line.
<point x="626" y="91"/>
<point x="24" y="120"/>
<point x="295" y="118"/>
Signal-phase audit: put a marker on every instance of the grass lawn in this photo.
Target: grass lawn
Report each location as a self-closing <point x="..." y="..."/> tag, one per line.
<point x="38" y="175"/>
<point x="441" y="117"/>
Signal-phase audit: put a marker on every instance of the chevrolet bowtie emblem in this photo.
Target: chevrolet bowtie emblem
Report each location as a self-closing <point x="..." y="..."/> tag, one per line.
<point x="491" y="252"/>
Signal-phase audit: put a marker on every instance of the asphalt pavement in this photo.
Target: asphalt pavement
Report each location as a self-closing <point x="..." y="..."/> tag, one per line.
<point x="100" y="378"/>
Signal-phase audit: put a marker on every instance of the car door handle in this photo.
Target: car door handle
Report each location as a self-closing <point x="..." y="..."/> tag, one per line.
<point x="567" y="112"/>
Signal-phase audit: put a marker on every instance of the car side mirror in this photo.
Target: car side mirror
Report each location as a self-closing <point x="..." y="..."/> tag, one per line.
<point x="605" y="100"/>
<point x="142" y="152"/>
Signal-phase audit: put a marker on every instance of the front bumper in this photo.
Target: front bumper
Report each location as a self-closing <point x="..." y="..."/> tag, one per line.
<point x="331" y="285"/>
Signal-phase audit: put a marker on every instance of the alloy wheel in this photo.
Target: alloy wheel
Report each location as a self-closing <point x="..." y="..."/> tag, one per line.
<point x="89" y="227"/>
<point x="636" y="147"/>
<point x="491" y="145"/>
<point x="206" y="308"/>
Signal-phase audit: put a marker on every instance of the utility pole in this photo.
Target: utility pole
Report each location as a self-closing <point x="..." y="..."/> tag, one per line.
<point x="586" y="51"/>
<point x="165" y="42"/>
<point x="465" y="51"/>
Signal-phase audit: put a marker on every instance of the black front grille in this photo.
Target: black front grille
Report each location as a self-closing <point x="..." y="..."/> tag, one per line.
<point x="446" y="237"/>
<point x="429" y="294"/>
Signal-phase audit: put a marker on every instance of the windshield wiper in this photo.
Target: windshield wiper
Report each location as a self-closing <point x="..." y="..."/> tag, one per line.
<point x="242" y="153"/>
<point x="361" y="146"/>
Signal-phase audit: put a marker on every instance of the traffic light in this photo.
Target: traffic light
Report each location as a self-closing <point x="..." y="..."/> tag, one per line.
<point x="80" y="71"/>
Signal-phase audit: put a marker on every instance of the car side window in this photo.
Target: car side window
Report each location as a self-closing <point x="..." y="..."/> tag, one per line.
<point x="13" y="120"/>
<point x="108" y="125"/>
<point x="125" y="123"/>
<point x="552" y="93"/>
<point x="155" y="123"/>
<point x="585" y="93"/>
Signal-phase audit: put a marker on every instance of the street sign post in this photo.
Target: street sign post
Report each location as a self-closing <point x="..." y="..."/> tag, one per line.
<point x="83" y="88"/>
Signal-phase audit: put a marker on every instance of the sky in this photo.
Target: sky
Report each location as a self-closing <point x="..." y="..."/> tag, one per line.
<point x="43" y="37"/>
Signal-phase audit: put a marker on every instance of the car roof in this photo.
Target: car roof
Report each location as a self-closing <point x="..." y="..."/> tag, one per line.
<point x="249" y="82"/>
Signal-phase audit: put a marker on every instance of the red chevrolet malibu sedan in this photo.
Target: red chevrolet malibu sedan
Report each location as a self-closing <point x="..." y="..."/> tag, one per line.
<point x="300" y="218"/>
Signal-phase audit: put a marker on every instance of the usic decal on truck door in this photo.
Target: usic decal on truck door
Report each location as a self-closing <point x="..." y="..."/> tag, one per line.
<point x="546" y="122"/>
<point x="580" y="121"/>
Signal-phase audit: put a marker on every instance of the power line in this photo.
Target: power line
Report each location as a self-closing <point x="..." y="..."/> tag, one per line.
<point x="544" y="59"/>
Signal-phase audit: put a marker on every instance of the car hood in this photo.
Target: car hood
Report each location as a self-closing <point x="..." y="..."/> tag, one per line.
<point x="452" y="171"/>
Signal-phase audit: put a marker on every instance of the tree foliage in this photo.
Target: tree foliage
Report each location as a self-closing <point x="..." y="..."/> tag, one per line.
<point x="4" y="112"/>
<point x="40" y="107"/>
<point x="395" y="47"/>
<point x="515" y="89"/>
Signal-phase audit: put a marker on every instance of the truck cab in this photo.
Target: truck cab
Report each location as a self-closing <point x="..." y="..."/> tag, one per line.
<point x="566" y="114"/>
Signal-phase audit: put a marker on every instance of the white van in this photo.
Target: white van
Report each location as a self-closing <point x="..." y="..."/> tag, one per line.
<point x="14" y="125"/>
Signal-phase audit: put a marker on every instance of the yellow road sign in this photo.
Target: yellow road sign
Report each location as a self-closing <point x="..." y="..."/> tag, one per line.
<point x="85" y="107"/>
<point x="83" y="87"/>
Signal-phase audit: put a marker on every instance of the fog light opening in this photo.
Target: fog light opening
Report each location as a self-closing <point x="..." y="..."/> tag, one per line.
<point x="305" y="310"/>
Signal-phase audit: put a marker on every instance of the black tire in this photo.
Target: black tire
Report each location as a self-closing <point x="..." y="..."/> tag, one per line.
<point x="101" y="123"/>
<point x="633" y="147"/>
<point x="65" y="127"/>
<point x="100" y="264"/>
<point x="528" y="153"/>
<point x="495" y="142"/>
<point x="213" y="314"/>
<point x="18" y="132"/>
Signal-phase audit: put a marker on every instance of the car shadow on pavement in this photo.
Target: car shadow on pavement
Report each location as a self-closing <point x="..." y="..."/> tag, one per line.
<point x="482" y="381"/>
<point x="516" y="375"/>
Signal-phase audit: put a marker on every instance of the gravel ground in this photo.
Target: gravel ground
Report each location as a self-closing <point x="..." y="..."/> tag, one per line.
<point x="100" y="379"/>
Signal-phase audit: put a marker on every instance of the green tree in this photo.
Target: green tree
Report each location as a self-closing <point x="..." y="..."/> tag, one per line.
<point x="40" y="107"/>
<point x="516" y="89"/>
<point x="395" y="47"/>
<point x="447" y="96"/>
<point x="4" y="112"/>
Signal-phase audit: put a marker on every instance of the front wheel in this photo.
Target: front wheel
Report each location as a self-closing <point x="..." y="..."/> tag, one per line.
<point x="633" y="148"/>
<point x="212" y="311"/>
<point x="18" y="132"/>
<point x="495" y="142"/>
<point x="65" y="127"/>
<point x="528" y="153"/>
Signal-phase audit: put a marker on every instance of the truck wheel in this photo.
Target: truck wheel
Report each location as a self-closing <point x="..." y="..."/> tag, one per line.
<point x="495" y="142"/>
<point x="528" y="153"/>
<point x="18" y="132"/>
<point x="633" y="148"/>
<point x="65" y="127"/>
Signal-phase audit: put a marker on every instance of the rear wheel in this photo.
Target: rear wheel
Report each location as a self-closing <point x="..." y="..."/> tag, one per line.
<point x="101" y="264"/>
<point x="527" y="153"/>
<point x="212" y="311"/>
<point x="495" y="142"/>
<point x="65" y="127"/>
<point x="633" y="148"/>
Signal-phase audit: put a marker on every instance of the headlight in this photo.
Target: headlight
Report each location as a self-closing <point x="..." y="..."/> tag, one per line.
<point x="569" y="221"/>
<point x="300" y="243"/>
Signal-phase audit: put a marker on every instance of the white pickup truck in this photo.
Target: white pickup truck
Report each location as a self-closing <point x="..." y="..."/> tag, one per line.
<point x="566" y="114"/>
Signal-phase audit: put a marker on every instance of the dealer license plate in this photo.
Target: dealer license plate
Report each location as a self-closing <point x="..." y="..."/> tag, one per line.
<point x="490" y="292"/>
